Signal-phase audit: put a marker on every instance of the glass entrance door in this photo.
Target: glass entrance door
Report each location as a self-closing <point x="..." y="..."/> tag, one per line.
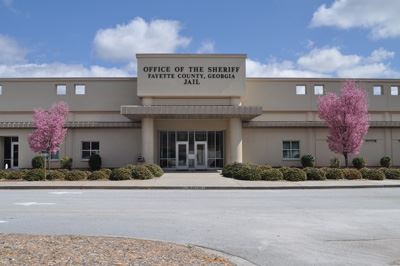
<point x="14" y="154"/>
<point x="181" y="155"/>
<point x="201" y="155"/>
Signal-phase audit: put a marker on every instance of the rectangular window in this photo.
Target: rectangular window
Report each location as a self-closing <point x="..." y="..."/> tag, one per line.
<point x="61" y="89"/>
<point x="394" y="90"/>
<point x="80" y="89"/>
<point x="55" y="155"/>
<point x="318" y="90"/>
<point x="89" y="148"/>
<point x="1" y="90"/>
<point x="377" y="90"/>
<point x="291" y="150"/>
<point x="301" y="90"/>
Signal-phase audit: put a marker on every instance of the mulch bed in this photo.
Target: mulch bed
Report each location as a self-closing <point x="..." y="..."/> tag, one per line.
<point x="19" y="249"/>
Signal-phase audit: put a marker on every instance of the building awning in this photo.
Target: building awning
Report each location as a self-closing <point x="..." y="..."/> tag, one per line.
<point x="137" y="112"/>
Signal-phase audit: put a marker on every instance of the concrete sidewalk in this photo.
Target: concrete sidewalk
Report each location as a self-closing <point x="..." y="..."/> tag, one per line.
<point x="195" y="180"/>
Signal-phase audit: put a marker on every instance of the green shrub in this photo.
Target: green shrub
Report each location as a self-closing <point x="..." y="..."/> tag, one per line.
<point x="66" y="162"/>
<point x="391" y="173"/>
<point x="75" y="175"/>
<point x="248" y="172"/>
<point x="352" y="174"/>
<point x="230" y="169"/>
<point x="386" y="161"/>
<point x="334" y="162"/>
<point x="155" y="170"/>
<point x="372" y="174"/>
<point x="283" y="170"/>
<point x="314" y="173"/>
<point x="121" y="174"/>
<point x="15" y="175"/>
<point x="270" y="174"/>
<point x="358" y="162"/>
<point x="34" y="175"/>
<point x="130" y="166"/>
<point x="3" y="174"/>
<point x="294" y="174"/>
<point x="95" y="162"/>
<point x="334" y="173"/>
<point x="141" y="172"/>
<point x="55" y="175"/>
<point x="307" y="160"/>
<point x="37" y="162"/>
<point x="98" y="175"/>
<point x="107" y="171"/>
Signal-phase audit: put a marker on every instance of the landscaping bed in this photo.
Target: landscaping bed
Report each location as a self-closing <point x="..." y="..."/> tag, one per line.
<point x="254" y="172"/>
<point x="141" y="171"/>
<point x="17" y="249"/>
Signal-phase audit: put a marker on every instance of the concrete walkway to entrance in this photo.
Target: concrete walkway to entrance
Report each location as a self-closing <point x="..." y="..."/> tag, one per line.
<point x="197" y="180"/>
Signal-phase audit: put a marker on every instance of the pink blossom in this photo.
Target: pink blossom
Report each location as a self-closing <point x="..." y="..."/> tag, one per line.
<point x="49" y="130"/>
<point x="346" y="116"/>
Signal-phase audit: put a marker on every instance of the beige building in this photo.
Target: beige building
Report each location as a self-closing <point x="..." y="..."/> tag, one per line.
<point x="191" y="112"/>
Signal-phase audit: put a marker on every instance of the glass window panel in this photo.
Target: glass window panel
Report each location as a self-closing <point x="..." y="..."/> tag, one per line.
<point x="300" y="89"/>
<point x="286" y="145"/>
<point x="14" y="139"/>
<point x="85" y="145"/>
<point x="211" y="163"/>
<point x="61" y="89"/>
<point x="394" y="90"/>
<point x="171" y="163"/>
<point x="95" y="145"/>
<point x="295" y="154"/>
<point x="318" y="89"/>
<point x="219" y="144"/>
<point x="171" y="145"/>
<point x="286" y="154"/>
<point x="55" y="155"/>
<point x="80" y="89"/>
<point x="377" y="90"/>
<point x="201" y="136"/>
<point x="182" y="136"/>
<point x="164" y="163"/>
<point x="85" y="154"/>
<point x="220" y="163"/>
<point x="163" y="144"/>
<point x="211" y="144"/>
<point x="295" y="145"/>
<point x="191" y="142"/>
<point x="1" y="90"/>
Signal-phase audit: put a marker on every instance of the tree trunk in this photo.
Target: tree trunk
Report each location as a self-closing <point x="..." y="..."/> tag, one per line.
<point x="346" y="159"/>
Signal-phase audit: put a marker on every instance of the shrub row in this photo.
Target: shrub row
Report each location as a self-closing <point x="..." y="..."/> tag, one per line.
<point x="246" y="171"/>
<point x="358" y="162"/>
<point x="144" y="171"/>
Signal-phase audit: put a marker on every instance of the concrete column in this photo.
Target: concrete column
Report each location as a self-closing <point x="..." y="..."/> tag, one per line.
<point x="235" y="128"/>
<point x="148" y="139"/>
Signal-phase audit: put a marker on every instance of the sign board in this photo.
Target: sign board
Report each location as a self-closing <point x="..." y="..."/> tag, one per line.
<point x="188" y="75"/>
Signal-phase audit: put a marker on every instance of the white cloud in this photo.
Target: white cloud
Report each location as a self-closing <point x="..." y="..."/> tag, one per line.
<point x="10" y="51"/>
<point x="325" y="62"/>
<point x="206" y="47"/>
<point x="122" y="42"/>
<point x="381" y="17"/>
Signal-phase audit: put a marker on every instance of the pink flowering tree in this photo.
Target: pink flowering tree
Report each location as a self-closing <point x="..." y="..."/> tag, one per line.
<point x="49" y="127"/>
<point x="346" y="116"/>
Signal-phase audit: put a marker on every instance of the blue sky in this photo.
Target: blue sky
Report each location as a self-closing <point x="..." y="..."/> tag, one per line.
<point x="336" y="38"/>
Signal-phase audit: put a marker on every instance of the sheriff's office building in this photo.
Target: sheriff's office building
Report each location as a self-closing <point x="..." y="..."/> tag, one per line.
<point x="191" y="111"/>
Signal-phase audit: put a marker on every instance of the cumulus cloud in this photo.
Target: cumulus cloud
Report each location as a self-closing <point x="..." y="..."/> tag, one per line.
<point x="327" y="62"/>
<point x="381" y="17"/>
<point x="122" y="42"/>
<point x="206" y="47"/>
<point x="10" y="51"/>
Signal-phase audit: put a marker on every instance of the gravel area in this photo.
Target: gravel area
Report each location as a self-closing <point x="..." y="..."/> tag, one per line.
<point x="18" y="249"/>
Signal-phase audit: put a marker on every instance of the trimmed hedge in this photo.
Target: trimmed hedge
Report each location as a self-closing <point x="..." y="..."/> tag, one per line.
<point x="75" y="175"/>
<point x="271" y="174"/>
<point x="334" y="162"/>
<point x="230" y="170"/>
<point x="351" y="174"/>
<point x="155" y="169"/>
<point x="55" y="175"/>
<point x="15" y="175"/>
<point x="66" y="162"/>
<point x="141" y="172"/>
<point x="334" y="173"/>
<point x="314" y="173"/>
<point x="294" y="174"/>
<point x="34" y="175"/>
<point x="107" y="171"/>
<point x="307" y="160"/>
<point x="3" y="174"/>
<point x="94" y="162"/>
<point x="121" y="174"/>
<point x="248" y="172"/>
<point x="391" y="173"/>
<point x="37" y="162"/>
<point x="95" y="175"/>
<point x="359" y="162"/>
<point x="372" y="174"/>
<point x="386" y="161"/>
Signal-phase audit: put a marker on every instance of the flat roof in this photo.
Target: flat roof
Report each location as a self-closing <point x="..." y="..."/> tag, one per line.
<point x="182" y="55"/>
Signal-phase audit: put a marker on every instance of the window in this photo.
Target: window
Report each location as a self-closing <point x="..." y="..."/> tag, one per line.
<point x="301" y="90"/>
<point x="291" y="150"/>
<point x="54" y="156"/>
<point x="318" y="90"/>
<point x="80" y="89"/>
<point x="61" y="89"/>
<point x="394" y="90"/>
<point x="377" y="90"/>
<point x="89" y="148"/>
<point x="1" y="90"/>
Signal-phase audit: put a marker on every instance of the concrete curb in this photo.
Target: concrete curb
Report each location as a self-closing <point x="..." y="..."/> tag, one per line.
<point x="27" y="187"/>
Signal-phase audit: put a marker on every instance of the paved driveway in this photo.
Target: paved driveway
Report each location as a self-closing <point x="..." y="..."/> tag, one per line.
<point x="270" y="227"/>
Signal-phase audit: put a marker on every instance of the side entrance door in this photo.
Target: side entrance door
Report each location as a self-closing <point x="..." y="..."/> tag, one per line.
<point x="201" y="154"/>
<point x="14" y="154"/>
<point x="181" y="155"/>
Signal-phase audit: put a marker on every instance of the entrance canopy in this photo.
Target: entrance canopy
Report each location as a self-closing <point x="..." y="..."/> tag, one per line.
<point x="137" y="112"/>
